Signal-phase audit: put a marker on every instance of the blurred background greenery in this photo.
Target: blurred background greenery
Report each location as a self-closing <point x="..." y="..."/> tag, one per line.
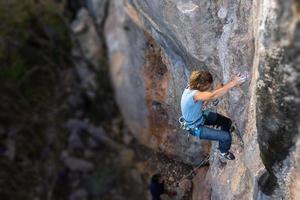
<point x="34" y="47"/>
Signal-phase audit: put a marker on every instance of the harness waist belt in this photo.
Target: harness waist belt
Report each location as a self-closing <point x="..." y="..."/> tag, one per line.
<point x="194" y="122"/>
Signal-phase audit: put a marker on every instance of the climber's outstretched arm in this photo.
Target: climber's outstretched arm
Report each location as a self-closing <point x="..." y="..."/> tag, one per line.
<point x="212" y="95"/>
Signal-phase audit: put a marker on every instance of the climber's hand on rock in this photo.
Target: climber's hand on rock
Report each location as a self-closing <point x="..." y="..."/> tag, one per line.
<point x="239" y="79"/>
<point x="242" y="78"/>
<point x="217" y="93"/>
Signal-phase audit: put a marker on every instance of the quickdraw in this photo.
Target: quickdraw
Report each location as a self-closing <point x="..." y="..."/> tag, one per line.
<point x="189" y="128"/>
<point x="183" y="124"/>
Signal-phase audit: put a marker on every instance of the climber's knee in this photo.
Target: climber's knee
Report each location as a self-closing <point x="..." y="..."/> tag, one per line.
<point x="224" y="122"/>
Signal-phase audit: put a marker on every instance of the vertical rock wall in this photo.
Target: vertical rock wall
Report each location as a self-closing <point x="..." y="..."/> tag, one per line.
<point x="278" y="93"/>
<point x="153" y="45"/>
<point x="148" y="85"/>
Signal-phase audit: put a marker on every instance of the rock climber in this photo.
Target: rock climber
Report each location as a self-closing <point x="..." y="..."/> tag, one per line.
<point x="196" y="119"/>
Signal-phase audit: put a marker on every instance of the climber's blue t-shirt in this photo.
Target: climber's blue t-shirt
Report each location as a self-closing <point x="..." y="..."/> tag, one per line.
<point x="191" y="110"/>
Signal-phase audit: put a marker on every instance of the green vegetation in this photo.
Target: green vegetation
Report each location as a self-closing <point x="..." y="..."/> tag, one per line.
<point x="34" y="49"/>
<point x="31" y="34"/>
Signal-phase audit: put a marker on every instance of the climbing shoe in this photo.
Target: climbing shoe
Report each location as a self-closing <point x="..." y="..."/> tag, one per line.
<point x="228" y="155"/>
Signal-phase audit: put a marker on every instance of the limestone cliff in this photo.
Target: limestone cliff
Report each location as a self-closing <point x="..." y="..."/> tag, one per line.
<point x="153" y="45"/>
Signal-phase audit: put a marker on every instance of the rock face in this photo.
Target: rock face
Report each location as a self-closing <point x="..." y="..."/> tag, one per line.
<point x="153" y="46"/>
<point x="148" y="86"/>
<point x="278" y="95"/>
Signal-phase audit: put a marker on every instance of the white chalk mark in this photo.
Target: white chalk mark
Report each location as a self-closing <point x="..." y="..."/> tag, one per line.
<point x="187" y="8"/>
<point x="222" y="13"/>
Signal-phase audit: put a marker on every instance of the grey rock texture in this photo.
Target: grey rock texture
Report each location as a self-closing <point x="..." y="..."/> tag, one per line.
<point x="148" y="87"/>
<point x="88" y="39"/>
<point x="98" y="9"/>
<point x="293" y="184"/>
<point x="278" y="95"/>
<point x="153" y="46"/>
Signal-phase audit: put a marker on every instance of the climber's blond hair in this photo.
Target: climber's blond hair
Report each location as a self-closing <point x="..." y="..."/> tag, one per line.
<point x="200" y="80"/>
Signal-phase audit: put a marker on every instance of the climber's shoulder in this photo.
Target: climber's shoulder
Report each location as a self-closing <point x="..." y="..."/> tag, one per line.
<point x="203" y="96"/>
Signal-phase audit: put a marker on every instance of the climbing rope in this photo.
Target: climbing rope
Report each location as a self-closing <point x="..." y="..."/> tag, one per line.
<point x="207" y="158"/>
<point x="204" y="161"/>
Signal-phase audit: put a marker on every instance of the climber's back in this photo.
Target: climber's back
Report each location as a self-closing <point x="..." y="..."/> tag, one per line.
<point x="191" y="109"/>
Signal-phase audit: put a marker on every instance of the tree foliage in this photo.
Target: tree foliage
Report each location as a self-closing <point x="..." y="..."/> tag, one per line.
<point x="34" y="48"/>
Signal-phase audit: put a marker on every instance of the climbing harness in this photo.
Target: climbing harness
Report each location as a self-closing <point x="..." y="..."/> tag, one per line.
<point x="185" y="125"/>
<point x="191" y="127"/>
